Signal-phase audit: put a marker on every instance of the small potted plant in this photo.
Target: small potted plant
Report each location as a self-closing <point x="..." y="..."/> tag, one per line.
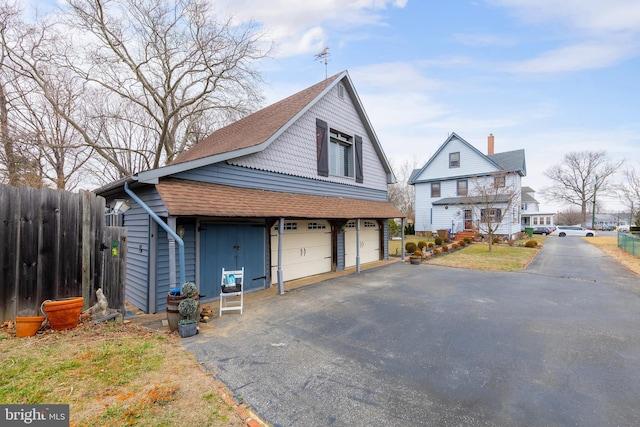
<point x="416" y="257"/>
<point x="188" y="326"/>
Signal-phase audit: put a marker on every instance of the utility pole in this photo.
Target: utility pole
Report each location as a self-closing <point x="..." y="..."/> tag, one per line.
<point x="593" y="211"/>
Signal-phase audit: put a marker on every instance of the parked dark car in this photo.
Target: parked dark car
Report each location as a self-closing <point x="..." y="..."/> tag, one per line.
<point x="543" y="230"/>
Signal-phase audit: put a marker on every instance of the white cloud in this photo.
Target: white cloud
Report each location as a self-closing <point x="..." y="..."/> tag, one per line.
<point x="576" y="57"/>
<point x="590" y="33"/>
<point x="394" y="76"/>
<point x="483" y="39"/>
<point x="589" y="16"/>
<point x="302" y="27"/>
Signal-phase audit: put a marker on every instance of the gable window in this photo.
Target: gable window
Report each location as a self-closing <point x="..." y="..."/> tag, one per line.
<point x="340" y="154"/>
<point x="435" y="189"/>
<point x="454" y="160"/>
<point x="462" y="187"/>
<point x="499" y="181"/>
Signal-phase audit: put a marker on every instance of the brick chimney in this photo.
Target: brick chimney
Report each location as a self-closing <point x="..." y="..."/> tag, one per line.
<point x="490" y="145"/>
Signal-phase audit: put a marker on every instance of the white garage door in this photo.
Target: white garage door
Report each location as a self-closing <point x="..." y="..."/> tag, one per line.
<point x="306" y="249"/>
<point x="369" y="242"/>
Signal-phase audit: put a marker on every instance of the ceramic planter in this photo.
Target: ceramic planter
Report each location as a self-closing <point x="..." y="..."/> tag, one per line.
<point x="415" y="261"/>
<point x="28" y="326"/>
<point x="64" y="313"/>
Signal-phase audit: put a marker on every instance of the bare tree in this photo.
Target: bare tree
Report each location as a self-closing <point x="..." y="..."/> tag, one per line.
<point x="150" y="78"/>
<point x="8" y="155"/>
<point x="38" y="144"/>
<point x="400" y="194"/>
<point x="630" y="190"/>
<point x="494" y="202"/>
<point x="570" y="216"/>
<point x="579" y="177"/>
<point x="171" y="61"/>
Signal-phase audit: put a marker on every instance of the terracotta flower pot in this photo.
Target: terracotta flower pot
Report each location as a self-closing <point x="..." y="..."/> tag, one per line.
<point x="28" y="326"/>
<point x="64" y="313"/>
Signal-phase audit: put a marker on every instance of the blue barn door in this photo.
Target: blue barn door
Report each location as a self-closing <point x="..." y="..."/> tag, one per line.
<point x="231" y="246"/>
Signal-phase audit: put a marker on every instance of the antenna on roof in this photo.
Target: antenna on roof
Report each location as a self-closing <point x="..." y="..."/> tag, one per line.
<point x="323" y="56"/>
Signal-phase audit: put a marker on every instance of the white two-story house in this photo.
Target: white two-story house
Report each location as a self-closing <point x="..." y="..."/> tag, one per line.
<point x="448" y="189"/>
<point x="531" y="215"/>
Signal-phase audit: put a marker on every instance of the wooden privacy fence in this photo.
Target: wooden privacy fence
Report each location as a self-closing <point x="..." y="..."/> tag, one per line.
<point x="54" y="244"/>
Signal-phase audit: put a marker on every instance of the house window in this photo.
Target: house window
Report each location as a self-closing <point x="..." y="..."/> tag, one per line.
<point x="548" y="220"/>
<point x="454" y="160"/>
<point x="495" y="215"/>
<point x="340" y="154"/>
<point x="435" y="189"/>
<point x="535" y="220"/>
<point x="499" y="181"/>
<point x="316" y="226"/>
<point x="462" y="187"/>
<point x="341" y="91"/>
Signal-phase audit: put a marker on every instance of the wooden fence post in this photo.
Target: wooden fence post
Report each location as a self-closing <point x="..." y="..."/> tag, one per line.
<point x="86" y="248"/>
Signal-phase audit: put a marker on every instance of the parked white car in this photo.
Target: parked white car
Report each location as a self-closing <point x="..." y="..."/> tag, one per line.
<point x="572" y="230"/>
<point x="623" y="229"/>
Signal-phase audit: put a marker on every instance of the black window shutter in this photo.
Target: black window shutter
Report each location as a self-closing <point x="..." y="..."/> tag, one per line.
<point x="322" y="142"/>
<point x="358" y="155"/>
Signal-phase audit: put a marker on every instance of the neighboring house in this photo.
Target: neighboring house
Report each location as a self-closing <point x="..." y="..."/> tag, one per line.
<point x="530" y="211"/>
<point x="296" y="189"/>
<point x="604" y="221"/>
<point x="444" y="188"/>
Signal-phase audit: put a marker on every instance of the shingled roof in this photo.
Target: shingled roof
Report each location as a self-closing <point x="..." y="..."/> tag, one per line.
<point x="256" y="128"/>
<point x="192" y="198"/>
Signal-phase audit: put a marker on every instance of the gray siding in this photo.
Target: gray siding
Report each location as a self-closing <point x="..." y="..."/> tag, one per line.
<point x="162" y="279"/>
<point x="295" y="153"/>
<point x="222" y="173"/>
<point x="137" y="222"/>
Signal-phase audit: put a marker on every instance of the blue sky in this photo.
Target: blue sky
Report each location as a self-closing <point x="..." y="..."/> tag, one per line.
<point x="547" y="76"/>
<point x="541" y="76"/>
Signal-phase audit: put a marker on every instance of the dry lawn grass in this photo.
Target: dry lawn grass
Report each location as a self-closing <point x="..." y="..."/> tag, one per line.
<point x="477" y="257"/>
<point x="609" y="245"/>
<point x="113" y="375"/>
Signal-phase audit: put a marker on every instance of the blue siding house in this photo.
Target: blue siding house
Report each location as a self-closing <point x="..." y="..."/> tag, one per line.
<point x="296" y="189"/>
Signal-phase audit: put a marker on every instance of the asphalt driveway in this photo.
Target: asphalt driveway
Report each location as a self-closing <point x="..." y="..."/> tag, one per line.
<point x="557" y="344"/>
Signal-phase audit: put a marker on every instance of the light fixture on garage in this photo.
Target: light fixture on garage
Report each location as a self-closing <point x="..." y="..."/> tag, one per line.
<point x="180" y="231"/>
<point x="121" y="206"/>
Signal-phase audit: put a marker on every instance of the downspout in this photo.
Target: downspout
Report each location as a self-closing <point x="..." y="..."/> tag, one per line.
<point x="162" y="224"/>
<point x="280" y="277"/>
<point x="358" y="245"/>
<point x="402" y="234"/>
